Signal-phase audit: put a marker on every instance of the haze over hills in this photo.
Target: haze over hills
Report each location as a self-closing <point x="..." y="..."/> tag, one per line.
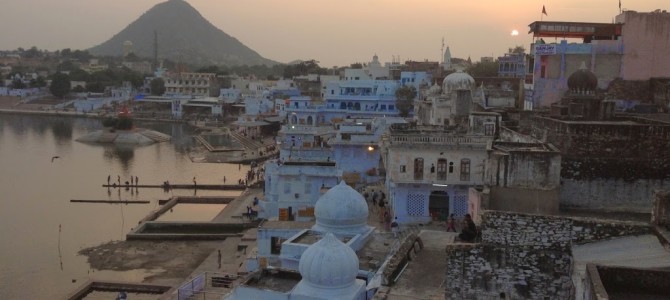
<point x="183" y="35"/>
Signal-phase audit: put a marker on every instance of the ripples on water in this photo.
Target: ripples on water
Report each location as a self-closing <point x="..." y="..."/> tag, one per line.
<point x="42" y="231"/>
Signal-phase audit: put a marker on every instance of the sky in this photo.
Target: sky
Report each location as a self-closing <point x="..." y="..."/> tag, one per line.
<point x="333" y="32"/>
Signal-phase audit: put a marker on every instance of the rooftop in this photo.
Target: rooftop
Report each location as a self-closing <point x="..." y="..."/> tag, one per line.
<point x="278" y="280"/>
<point x="583" y="30"/>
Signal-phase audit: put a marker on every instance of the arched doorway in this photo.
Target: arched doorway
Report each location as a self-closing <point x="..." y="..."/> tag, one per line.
<point x="438" y="205"/>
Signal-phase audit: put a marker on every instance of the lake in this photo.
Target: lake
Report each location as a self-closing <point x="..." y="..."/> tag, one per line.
<point x="42" y="231"/>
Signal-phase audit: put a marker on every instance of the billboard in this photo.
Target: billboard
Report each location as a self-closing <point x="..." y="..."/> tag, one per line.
<point x="545" y="49"/>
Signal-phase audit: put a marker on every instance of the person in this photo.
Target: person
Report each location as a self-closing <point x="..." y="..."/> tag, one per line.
<point x="195" y="184"/>
<point x="387" y="221"/>
<point x="224" y="179"/>
<point x="219" y="259"/>
<point x="109" y="177"/>
<point x="374" y="198"/>
<point x="132" y="180"/>
<point x="395" y="227"/>
<point x="469" y="231"/>
<point x="137" y="180"/>
<point x="451" y="223"/>
<point x="118" y="179"/>
<point x="255" y="201"/>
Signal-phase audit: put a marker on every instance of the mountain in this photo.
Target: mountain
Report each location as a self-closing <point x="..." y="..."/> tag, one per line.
<point x="183" y="36"/>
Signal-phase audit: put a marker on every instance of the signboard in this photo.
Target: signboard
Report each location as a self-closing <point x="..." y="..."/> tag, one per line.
<point x="545" y="49"/>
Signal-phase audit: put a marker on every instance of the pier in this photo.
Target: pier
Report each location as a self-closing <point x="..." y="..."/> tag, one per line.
<point x="111" y="201"/>
<point x="223" y="187"/>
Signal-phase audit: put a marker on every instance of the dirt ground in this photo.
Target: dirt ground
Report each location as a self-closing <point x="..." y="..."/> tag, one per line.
<point x="175" y="259"/>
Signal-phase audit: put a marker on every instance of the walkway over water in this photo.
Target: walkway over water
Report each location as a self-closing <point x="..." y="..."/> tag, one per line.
<point x="234" y="187"/>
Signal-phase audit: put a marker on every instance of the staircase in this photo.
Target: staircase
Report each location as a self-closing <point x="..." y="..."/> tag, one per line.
<point x="246" y="142"/>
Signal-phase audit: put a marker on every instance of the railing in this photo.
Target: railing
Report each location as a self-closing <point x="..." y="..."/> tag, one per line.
<point x="423" y="139"/>
<point x="207" y="285"/>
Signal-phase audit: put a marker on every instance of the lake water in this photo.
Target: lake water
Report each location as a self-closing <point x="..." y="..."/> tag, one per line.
<point x="41" y="231"/>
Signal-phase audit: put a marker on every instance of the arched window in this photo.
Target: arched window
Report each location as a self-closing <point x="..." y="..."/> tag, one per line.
<point x="357" y="106"/>
<point x="294" y="119"/>
<point x="465" y="169"/>
<point x="343" y="105"/>
<point x="350" y="105"/>
<point x="442" y="169"/>
<point x="309" y="120"/>
<point x="418" y="168"/>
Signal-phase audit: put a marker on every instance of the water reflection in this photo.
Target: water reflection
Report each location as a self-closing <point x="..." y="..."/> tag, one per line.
<point x="40" y="260"/>
<point x="123" y="153"/>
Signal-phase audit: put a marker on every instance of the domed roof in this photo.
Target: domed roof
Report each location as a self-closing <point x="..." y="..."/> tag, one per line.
<point x="342" y="210"/>
<point x="434" y="90"/>
<point x="329" y="264"/>
<point x="458" y="80"/>
<point x="582" y="80"/>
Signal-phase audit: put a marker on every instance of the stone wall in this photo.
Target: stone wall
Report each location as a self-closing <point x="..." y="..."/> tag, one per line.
<point x="610" y="194"/>
<point x="478" y="271"/>
<point x="586" y="230"/>
<point x="525" y="256"/>
<point x="638" y="90"/>
<point x="513" y="229"/>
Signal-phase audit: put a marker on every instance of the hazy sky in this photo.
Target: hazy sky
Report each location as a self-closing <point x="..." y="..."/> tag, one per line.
<point x="334" y="32"/>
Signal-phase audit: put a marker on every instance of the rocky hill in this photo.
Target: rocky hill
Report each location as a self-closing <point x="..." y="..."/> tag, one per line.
<point x="183" y="35"/>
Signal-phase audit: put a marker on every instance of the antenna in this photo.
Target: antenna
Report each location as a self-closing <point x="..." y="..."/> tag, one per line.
<point x="155" y="49"/>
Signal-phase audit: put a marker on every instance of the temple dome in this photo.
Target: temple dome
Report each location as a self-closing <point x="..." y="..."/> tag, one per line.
<point x="458" y="80"/>
<point x="329" y="264"/>
<point x="434" y="90"/>
<point x="341" y="210"/>
<point x="582" y="80"/>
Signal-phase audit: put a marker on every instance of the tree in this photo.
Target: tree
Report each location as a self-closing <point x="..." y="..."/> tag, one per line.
<point x="404" y="99"/>
<point x="157" y="86"/>
<point x="517" y="50"/>
<point x="18" y="84"/>
<point x="484" y="69"/>
<point x="60" y="85"/>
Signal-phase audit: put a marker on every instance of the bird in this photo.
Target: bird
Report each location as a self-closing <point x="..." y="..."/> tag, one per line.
<point x="52" y="159"/>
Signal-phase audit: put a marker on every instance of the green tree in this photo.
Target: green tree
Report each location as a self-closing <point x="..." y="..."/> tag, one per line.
<point x="157" y="86"/>
<point x="404" y="99"/>
<point x="517" y="50"/>
<point x="18" y="84"/>
<point x="39" y="82"/>
<point x="484" y="69"/>
<point x="78" y="89"/>
<point x="60" y="85"/>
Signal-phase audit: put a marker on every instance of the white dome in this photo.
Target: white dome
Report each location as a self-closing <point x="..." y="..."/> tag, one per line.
<point x="329" y="264"/>
<point x="434" y="90"/>
<point x="457" y="81"/>
<point x="341" y="210"/>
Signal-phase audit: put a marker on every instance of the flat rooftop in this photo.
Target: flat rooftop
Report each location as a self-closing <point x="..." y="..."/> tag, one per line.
<point x="311" y="237"/>
<point x="278" y="280"/>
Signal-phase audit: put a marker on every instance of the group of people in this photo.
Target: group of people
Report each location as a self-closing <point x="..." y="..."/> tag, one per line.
<point x="134" y="181"/>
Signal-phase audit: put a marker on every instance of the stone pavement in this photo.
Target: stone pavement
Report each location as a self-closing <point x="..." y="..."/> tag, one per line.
<point x="423" y="278"/>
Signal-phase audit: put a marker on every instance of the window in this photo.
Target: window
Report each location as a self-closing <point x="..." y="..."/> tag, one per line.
<point x="451" y="167"/>
<point x="418" y="168"/>
<point x="441" y="169"/>
<point x="465" y="169"/>
<point x="489" y="129"/>
<point x="391" y="107"/>
<point x="403" y="168"/>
